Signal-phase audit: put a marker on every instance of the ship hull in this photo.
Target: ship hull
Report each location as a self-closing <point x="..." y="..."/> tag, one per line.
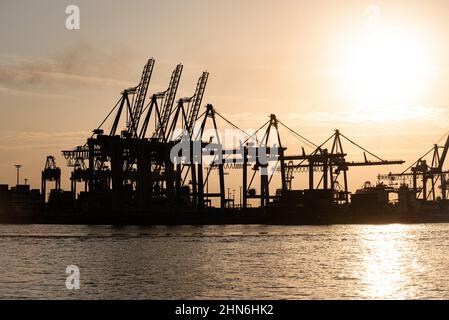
<point x="212" y="216"/>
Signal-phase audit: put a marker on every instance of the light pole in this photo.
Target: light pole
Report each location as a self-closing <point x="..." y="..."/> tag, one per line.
<point x="18" y="166"/>
<point x="240" y="204"/>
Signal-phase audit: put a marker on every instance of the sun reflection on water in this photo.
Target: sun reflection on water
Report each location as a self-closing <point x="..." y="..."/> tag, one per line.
<point x="385" y="262"/>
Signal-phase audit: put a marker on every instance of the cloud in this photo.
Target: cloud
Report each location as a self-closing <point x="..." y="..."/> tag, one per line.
<point x="16" y="92"/>
<point x="41" y="140"/>
<point x="345" y="117"/>
<point x="36" y="135"/>
<point x="79" y="65"/>
<point x="19" y="76"/>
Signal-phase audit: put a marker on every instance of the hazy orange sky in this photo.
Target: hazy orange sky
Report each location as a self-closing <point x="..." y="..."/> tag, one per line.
<point x="377" y="70"/>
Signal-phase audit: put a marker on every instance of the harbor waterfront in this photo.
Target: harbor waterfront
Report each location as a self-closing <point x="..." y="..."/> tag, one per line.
<point x="131" y="177"/>
<point x="226" y="262"/>
<point x="254" y="154"/>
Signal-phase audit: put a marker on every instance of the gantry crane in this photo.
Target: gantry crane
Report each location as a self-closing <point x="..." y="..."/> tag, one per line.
<point x="136" y="172"/>
<point x="51" y="172"/>
<point x="424" y="174"/>
<point x="80" y="173"/>
<point x="333" y="165"/>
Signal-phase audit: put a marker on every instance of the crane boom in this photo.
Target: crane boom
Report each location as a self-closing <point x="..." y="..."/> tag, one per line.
<point x="196" y="102"/>
<point x="443" y="155"/>
<point x="169" y="99"/>
<point x="141" y="93"/>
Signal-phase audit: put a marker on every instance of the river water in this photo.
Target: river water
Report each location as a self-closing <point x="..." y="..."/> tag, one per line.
<point x="226" y="262"/>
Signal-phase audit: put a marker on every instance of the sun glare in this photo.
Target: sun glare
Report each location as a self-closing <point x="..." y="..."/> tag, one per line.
<point x="387" y="71"/>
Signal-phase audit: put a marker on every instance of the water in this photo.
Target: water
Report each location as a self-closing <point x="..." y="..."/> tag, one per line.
<point x="226" y="262"/>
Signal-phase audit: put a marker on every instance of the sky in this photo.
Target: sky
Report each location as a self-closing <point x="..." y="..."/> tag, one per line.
<point x="376" y="70"/>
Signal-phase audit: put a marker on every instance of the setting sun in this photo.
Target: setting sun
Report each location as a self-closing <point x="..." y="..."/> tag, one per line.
<point x="386" y="69"/>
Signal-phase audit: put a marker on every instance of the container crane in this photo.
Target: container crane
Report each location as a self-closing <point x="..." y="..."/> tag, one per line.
<point x="51" y="172"/>
<point x="421" y="170"/>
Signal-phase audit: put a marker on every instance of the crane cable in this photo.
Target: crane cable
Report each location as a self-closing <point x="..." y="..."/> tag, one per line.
<point x="298" y="135"/>
<point x="359" y="146"/>
<point x="232" y="124"/>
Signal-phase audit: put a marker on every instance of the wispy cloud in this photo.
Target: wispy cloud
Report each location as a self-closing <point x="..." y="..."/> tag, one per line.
<point x="80" y="65"/>
<point x="346" y="117"/>
<point x="20" y="75"/>
<point x="41" y="140"/>
<point x="35" y="135"/>
<point x="24" y="93"/>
